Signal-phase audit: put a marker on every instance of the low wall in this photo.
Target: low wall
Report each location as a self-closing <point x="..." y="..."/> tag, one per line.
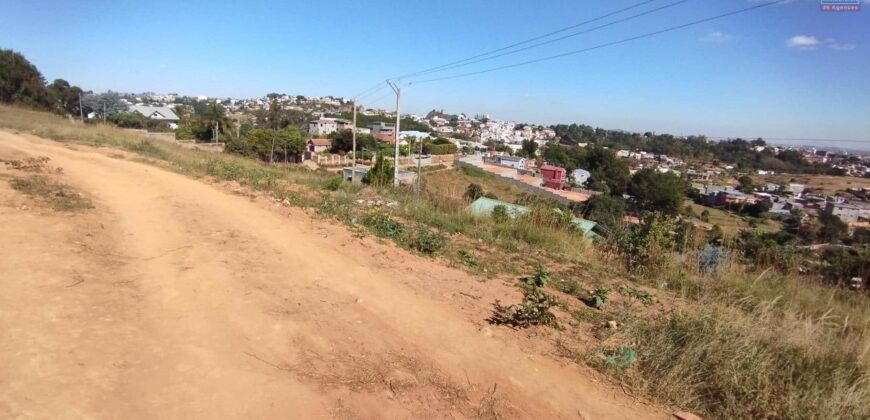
<point x="530" y="188"/>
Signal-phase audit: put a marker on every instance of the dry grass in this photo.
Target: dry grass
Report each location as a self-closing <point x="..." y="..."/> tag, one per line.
<point x="825" y="184"/>
<point x="731" y="223"/>
<point x="743" y="346"/>
<point x="55" y="195"/>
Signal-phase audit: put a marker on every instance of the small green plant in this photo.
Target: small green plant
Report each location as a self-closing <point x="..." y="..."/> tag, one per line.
<point x="333" y="184"/>
<point x="634" y="293"/>
<point x="598" y="298"/>
<point x="535" y="307"/>
<point x="426" y="241"/>
<point x="534" y="310"/>
<point x="500" y="214"/>
<point x="538" y="280"/>
<point x="382" y="224"/>
<point x="620" y="359"/>
<point x="467" y="259"/>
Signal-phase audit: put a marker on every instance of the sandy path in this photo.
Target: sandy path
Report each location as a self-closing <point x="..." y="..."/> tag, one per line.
<point x="198" y="303"/>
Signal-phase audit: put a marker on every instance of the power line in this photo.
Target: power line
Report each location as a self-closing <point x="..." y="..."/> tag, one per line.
<point x="794" y="139"/>
<point x="382" y="87"/>
<point x="550" y="41"/>
<point x="567" y="28"/>
<point x="377" y="85"/>
<point x="607" y="44"/>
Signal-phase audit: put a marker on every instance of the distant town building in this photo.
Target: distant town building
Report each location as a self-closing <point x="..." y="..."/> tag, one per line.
<point x="554" y="176"/>
<point x="849" y="212"/>
<point x="580" y="176"/>
<point x="159" y="113"/>
<point x="512" y="162"/>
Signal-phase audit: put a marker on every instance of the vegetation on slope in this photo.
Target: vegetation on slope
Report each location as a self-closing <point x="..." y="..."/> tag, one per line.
<point x="732" y="341"/>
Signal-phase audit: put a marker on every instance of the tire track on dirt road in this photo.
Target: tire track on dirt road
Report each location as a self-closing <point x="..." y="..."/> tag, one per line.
<point x="243" y="312"/>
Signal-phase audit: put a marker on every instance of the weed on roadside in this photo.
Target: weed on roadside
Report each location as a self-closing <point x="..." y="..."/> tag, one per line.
<point x="57" y="196"/>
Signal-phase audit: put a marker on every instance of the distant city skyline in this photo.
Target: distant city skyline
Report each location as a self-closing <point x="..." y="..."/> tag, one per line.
<point x="788" y="71"/>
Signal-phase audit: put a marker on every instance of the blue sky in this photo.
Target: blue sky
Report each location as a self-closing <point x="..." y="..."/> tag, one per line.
<point x="785" y="71"/>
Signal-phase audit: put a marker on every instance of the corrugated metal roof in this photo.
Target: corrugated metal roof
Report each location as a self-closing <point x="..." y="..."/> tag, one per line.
<point x="483" y="207"/>
<point x="148" y="111"/>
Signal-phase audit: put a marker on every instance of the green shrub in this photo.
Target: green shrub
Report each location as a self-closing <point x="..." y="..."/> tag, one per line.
<point x="500" y="214"/>
<point x="534" y="310"/>
<point x="333" y="184"/>
<point x="382" y="224"/>
<point x="426" y="241"/>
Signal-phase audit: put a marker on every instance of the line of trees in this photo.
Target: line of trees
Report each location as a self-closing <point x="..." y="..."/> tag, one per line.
<point x="742" y="153"/>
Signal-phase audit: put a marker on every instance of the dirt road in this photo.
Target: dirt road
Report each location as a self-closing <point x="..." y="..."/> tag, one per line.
<point x="173" y="298"/>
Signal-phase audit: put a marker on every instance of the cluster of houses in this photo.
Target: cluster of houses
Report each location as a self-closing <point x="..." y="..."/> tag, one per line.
<point x="783" y="199"/>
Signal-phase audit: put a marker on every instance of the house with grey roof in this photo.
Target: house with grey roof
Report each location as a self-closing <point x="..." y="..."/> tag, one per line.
<point x="159" y="113"/>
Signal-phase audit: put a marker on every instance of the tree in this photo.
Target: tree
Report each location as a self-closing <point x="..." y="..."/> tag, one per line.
<point x="342" y="141"/>
<point x="473" y="192"/>
<point x="104" y="104"/>
<point x="20" y="81"/>
<point x="606" y="210"/>
<point x="832" y="229"/>
<point x="530" y="148"/>
<point x="747" y="185"/>
<point x="839" y="264"/>
<point x="381" y="174"/>
<point x="656" y="191"/>
<point x="272" y="145"/>
<point x="64" y="98"/>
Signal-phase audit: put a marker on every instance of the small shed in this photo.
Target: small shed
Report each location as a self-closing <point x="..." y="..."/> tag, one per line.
<point x="319" y="145"/>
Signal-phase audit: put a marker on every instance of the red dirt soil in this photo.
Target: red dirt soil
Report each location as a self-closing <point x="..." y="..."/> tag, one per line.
<point x="173" y="298"/>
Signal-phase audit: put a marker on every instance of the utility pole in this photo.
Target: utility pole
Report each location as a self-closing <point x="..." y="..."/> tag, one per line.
<point x="353" y="147"/>
<point x="419" y="166"/>
<point x="104" y="112"/>
<point x="398" y="90"/>
<point x="81" y="110"/>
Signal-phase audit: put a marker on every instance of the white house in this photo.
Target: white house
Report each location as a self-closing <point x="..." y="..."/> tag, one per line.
<point x="322" y="127"/>
<point x="159" y="113"/>
<point x="327" y="126"/>
<point x="512" y="162"/>
<point x="580" y="176"/>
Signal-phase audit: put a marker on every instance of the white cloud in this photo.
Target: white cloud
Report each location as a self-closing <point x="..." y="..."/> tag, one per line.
<point x="717" y="37"/>
<point x="803" y="42"/>
<point x="810" y="42"/>
<point x="842" y="46"/>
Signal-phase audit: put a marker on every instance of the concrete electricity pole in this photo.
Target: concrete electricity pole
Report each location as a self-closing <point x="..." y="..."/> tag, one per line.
<point x="81" y="110"/>
<point x="353" y="149"/>
<point x="398" y="90"/>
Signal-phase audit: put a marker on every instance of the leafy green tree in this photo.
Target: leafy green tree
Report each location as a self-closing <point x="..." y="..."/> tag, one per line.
<point x="20" y="81"/>
<point x="381" y="173"/>
<point x="606" y="210"/>
<point x="831" y="228"/>
<point x="747" y="185"/>
<point x="274" y="145"/>
<point x="656" y="191"/>
<point x="840" y="264"/>
<point x="342" y="142"/>
<point x="104" y="104"/>
<point x="64" y="98"/>
<point x="530" y="148"/>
